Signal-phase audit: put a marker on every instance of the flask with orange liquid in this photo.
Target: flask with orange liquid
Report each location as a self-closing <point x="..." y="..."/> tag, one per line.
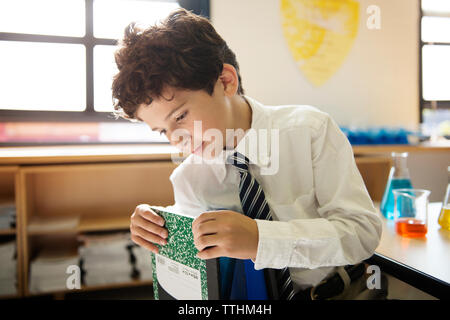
<point x="444" y="216"/>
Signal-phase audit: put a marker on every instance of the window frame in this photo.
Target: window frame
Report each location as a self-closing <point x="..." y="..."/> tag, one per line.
<point x="425" y="104"/>
<point x="89" y="41"/>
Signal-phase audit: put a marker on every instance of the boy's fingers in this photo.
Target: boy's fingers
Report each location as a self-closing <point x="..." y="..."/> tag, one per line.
<point x="143" y="243"/>
<point x="148" y="236"/>
<point x="210" y="253"/>
<point x="207" y="227"/>
<point x="150" y="226"/>
<point x="151" y="216"/>
<point x="205" y="241"/>
<point x="209" y="215"/>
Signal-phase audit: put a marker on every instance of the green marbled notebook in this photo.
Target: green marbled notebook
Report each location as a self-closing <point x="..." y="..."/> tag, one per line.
<point x="177" y="272"/>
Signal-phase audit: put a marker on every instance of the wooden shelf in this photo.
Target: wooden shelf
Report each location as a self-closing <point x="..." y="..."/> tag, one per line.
<point x="86" y="153"/>
<point x="374" y="170"/>
<point x="133" y="283"/>
<point x="387" y="149"/>
<point x="7" y="232"/>
<point x="10" y="296"/>
<point x="372" y="160"/>
<point x="84" y="288"/>
<point x="7" y="169"/>
<point x="103" y="223"/>
<point x="10" y="194"/>
<point x="90" y="224"/>
<point x="102" y="187"/>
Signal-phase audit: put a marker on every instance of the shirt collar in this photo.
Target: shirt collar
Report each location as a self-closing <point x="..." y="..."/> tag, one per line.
<point x="247" y="145"/>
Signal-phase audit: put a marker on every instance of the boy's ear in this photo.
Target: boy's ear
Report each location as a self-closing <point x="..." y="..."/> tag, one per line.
<point x="229" y="80"/>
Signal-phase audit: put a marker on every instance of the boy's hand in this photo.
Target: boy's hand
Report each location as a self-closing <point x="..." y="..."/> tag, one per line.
<point x="225" y="233"/>
<point x="147" y="228"/>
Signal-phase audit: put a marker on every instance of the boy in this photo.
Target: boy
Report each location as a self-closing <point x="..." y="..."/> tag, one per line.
<point x="299" y="203"/>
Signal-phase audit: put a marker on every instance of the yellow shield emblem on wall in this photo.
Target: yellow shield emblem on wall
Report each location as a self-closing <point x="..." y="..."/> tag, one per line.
<point x="319" y="34"/>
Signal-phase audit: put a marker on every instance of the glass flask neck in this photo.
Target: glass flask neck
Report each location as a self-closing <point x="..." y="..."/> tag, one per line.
<point x="447" y="192"/>
<point x="400" y="165"/>
<point x="448" y="174"/>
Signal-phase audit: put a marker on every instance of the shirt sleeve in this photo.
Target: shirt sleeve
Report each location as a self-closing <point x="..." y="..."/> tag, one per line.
<point x="348" y="228"/>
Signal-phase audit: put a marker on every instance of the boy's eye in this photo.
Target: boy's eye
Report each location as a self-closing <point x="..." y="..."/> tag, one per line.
<point x="181" y="116"/>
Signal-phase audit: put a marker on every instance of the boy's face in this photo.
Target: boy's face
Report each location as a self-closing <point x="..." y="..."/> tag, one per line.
<point x="175" y="118"/>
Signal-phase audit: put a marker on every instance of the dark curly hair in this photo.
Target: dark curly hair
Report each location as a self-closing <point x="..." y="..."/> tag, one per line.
<point x="184" y="51"/>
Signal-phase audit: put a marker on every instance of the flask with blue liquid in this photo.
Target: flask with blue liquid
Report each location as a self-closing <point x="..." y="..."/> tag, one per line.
<point x="398" y="179"/>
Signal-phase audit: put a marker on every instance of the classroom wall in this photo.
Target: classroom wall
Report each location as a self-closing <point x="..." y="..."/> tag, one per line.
<point x="376" y="85"/>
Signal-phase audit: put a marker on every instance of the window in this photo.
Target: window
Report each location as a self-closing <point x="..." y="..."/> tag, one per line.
<point x="57" y="59"/>
<point x="435" y="65"/>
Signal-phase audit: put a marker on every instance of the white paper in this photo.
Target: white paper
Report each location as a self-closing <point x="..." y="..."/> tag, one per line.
<point x="178" y="280"/>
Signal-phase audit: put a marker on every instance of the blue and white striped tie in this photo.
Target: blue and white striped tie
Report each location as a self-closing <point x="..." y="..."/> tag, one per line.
<point x="255" y="206"/>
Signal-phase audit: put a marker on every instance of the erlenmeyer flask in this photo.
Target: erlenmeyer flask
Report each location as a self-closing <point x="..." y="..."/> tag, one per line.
<point x="444" y="216"/>
<point x="398" y="179"/>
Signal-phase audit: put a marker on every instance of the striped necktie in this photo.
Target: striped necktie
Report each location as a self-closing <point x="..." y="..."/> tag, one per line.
<point x="255" y="206"/>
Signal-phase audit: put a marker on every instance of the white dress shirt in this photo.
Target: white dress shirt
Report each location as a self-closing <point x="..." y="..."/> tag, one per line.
<point x="323" y="216"/>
